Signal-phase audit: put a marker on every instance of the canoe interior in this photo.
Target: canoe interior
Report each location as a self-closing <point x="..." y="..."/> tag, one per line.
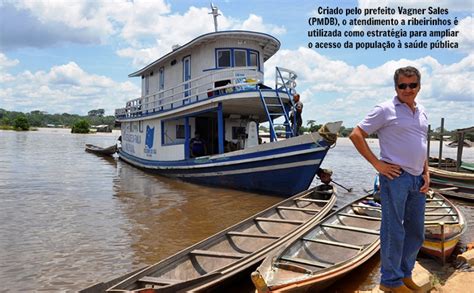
<point x="333" y="244"/>
<point x="440" y="210"/>
<point x="234" y="247"/>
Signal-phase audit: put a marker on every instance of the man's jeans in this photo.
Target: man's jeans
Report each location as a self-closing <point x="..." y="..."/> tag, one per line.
<point x="402" y="230"/>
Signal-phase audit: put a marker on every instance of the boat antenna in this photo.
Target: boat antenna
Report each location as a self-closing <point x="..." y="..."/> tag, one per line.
<point x="215" y="14"/>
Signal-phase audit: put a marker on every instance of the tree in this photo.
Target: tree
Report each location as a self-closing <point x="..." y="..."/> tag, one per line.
<point x="98" y="112"/>
<point x="312" y="126"/>
<point x="5" y="121"/>
<point x="21" y="123"/>
<point x="81" y="126"/>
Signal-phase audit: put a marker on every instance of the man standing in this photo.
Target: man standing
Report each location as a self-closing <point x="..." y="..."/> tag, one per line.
<point x="401" y="125"/>
<point x="298" y="109"/>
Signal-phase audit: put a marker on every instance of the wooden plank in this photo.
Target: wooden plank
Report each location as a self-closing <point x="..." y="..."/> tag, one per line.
<point x="366" y="207"/>
<point x="440" y="214"/>
<point x="351" y="228"/>
<point x="438" y="207"/>
<point x="434" y="199"/>
<point x="448" y="188"/>
<point x="296" y="222"/>
<point x="298" y="209"/>
<point x="438" y="222"/>
<point x="313" y="263"/>
<point x="311" y="199"/>
<point x="253" y="235"/>
<point x="159" y="281"/>
<point x="218" y="254"/>
<point x="335" y="243"/>
<point x="360" y="216"/>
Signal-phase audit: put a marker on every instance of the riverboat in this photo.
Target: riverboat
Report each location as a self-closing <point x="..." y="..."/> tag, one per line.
<point x="214" y="86"/>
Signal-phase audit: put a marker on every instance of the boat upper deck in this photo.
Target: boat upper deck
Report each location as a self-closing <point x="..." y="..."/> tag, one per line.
<point x="225" y="66"/>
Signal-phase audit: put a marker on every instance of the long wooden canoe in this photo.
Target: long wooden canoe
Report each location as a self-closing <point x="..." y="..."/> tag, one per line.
<point x="234" y="249"/>
<point x="315" y="259"/>
<point x="444" y="225"/>
<point x="108" y="151"/>
<point x="466" y="176"/>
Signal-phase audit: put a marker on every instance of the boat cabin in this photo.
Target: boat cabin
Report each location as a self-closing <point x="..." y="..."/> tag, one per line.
<point x="212" y="86"/>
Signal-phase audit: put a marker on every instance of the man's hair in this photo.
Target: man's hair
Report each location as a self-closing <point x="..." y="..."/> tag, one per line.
<point x="406" y="71"/>
<point x="296" y="95"/>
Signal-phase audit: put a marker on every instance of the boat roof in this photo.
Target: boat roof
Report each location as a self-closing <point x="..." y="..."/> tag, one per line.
<point x="269" y="44"/>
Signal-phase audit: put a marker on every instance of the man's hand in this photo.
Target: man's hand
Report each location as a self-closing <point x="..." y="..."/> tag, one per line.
<point x="426" y="185"/>
<point x="388" y="170"/>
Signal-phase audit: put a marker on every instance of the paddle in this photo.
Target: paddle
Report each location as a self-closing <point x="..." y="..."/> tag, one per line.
<point x="348" y="189"/>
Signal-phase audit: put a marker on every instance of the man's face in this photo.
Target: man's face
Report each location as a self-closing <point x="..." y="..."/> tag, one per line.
<point x="408" y="94"/>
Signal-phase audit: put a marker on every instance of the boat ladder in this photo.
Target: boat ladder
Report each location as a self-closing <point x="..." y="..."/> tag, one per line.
<point x="274" y="106"/>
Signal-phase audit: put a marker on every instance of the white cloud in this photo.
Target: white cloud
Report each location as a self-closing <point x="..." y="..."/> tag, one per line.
<point x="465" y="37"/>
<point x="64" y="88"/>
<point x="333" y="89"/>
<point x="147" y="29"/>
<point x="5" y="63"/>
<point x="144" y="51"/>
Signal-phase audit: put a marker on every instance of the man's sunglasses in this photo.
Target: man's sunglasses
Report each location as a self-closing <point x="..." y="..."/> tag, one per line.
<point x="403" y="86"/>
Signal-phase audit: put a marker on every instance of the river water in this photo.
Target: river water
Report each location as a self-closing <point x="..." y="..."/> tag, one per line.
<point x="69" y="219"/>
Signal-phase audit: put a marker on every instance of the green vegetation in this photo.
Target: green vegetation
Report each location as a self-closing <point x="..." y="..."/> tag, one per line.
<point x="21" y="123"/>
<point x="81" y="126"/>
<point x="43" y="119"/>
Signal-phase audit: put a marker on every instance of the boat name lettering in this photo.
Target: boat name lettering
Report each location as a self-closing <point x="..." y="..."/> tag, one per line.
<point x="134" y="138"/>
<point x="129" y="148"/>
<point x="149" y="152"/>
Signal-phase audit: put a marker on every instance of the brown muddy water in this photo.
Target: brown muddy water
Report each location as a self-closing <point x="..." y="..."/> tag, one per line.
<point x="69" y="219"/>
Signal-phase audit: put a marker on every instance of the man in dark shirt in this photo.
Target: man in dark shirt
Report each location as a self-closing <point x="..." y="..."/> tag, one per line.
<point x="197" y="146"/>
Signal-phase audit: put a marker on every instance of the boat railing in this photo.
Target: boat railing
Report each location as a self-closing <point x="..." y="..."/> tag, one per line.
<point x="210" y="85"/>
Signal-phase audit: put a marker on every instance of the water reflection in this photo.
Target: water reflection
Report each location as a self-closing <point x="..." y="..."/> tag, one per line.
<point x="168" y="215"/>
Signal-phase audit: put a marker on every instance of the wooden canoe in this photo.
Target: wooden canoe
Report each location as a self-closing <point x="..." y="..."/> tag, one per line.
<point x="108" y="151"/>
<point x="465" y="176"/>
<point x="444" y="225"/>
<point x="234" y="249"/>
<point x="448" y="182"/>
<point x="332" y="248"/>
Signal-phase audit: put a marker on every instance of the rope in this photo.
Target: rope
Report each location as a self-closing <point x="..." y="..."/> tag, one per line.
<point x="329" y="136"/>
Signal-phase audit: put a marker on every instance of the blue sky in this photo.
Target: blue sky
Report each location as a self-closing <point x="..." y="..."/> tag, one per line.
<point x="73" y="56"/>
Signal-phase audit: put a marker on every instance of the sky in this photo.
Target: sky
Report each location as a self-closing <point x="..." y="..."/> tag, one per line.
<point x="75" y="55"/>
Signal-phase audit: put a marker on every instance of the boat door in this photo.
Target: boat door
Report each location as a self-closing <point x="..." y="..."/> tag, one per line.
<point x="186" y="77"/>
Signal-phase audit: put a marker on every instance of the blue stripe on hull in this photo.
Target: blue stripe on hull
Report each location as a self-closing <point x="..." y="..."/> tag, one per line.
<point x="284" y="182"/>
<point x="281" y="176"/>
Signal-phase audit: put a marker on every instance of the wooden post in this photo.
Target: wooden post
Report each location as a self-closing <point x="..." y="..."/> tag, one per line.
<point x="220" y="128"/>
<point x="440" y="156"/>
<point x="460" y="148"/>
<point x="428" y="142"/>
<point x="443" y="238"/>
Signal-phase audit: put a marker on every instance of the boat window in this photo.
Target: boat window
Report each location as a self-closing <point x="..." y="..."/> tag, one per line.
<point x="240" y="58"/>
<point x="162" y="78"/>
<point x="173" y="132"/>
<point x="147" y="85"/>
<point x="238" y="132"/>
<point x="140" y="126"/>
<point x="223" y="58"/>
<point x="180" y="131"/>
<point x="253" y="60"/>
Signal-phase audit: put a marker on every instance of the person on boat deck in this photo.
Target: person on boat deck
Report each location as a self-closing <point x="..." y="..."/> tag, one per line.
<point x="298" y="109"/>
<point x="197" y="146"/>
<point x="401" y="125"/>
